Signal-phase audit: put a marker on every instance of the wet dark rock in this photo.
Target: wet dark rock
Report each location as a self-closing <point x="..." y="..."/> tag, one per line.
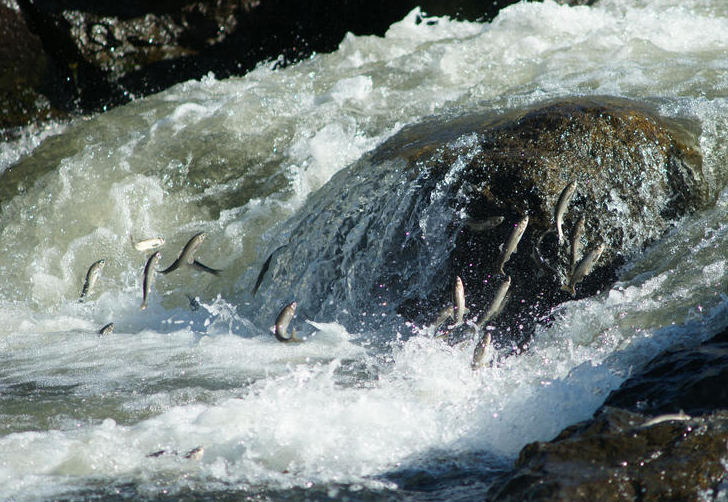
<point x="80" y="56"/>
<point x="616" y="456"/>
<point x="691" y="379"/>
<point x="636" y="172"/>
<point x="65" y="56"/>
<point x="26" y="73"/>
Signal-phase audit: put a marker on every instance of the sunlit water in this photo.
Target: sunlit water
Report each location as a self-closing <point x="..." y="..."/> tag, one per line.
<point x="352" y="413"/>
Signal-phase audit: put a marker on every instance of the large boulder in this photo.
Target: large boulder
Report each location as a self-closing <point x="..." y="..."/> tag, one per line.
<point x="394" y="227"/>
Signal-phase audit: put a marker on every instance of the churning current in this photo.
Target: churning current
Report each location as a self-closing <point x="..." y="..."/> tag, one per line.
<point x="359" y="409"/>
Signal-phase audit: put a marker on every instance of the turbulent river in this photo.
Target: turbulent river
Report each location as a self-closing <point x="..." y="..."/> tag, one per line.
<point x="364" y="409"/>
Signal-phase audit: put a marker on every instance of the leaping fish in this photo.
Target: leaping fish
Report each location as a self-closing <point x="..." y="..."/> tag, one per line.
<point x="459" y="306"/>
<point x="149" y="270"/>
<point x="187" y="257"/>
<point x="195" y="453"/>
<point x="92" y="275"/>
<point x="566" y="194"/>
<point x="282" y="322"/>
<point x="483" y="225"/>
<point x="107" y="330"/>
<point x="147" y="244"/>
<point x="511" y="244"/>
<point x="264" y="269"/>
<point x="499" y="301"/>
<point x="584" y="268"/>
<point x="457" y="310"/>
<point x="480" y="349"/>
<point x="576" y="242"/>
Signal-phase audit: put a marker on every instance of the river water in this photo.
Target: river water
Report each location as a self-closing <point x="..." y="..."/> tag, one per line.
<point x="360" y="410"/>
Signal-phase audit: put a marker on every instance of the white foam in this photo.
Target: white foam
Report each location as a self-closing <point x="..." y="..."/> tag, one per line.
<point x="338" y="408"/>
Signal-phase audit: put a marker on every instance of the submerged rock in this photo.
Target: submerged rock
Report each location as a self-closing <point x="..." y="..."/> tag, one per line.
<point x="397" y="225"/>
<point x="661" y="436"/>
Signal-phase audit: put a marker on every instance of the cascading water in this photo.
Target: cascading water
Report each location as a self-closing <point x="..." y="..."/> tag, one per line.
<point x="362" y="409"/>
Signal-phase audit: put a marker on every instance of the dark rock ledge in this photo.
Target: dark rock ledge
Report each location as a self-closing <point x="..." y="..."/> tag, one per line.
<point x="615" y="457"/>
<point x="79" y="56"/>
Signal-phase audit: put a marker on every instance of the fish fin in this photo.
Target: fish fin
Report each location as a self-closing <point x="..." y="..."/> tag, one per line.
<point x="204" y="268"/>
<point x="569" y="289"/>
<point x="174" y="266"/>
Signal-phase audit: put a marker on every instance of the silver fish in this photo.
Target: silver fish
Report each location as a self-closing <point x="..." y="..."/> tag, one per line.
<point x="584" y="268"/>
<point x="499" y="300"/>
<point x="511" y="244"/>
<point x="483" y="225"/>
<point x="147" y="244"/>
<point x="149" y="269"/>
<point x="480" y="349"/>
<point x="264" y="269"/>
<point x="195" y="453"/>
<point x="566" y="194"/>
<point x="282" y="321"/>
<point x="681" y="415"/>
<point x="459" y="309"/>
<point x="107" y="330"/>
<point x="187" y="257"/>
<point x="92" y="275"/>
<point x="445" y="314"/>
<point x="576" y="242"/>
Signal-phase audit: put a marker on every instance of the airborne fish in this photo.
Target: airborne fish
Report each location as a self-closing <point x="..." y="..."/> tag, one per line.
<point x="480" y="348"/>
<point x="282" y="321"/>
<point x="264" y="269"/>
<point x="566" y="194"/>
<point x="584" y="268"/>
<point x="187" y="257"/>
<point x="92" y="275"/>
<point x="483" y="225"/>
<point x="497" y="304"/>
<point x="195" y="453"/>
<point x="149" y="270"/>
<point x="511" y="244"/>
<point x="459" y="306"/>
<point x="457" y="310"/>
<point x="107" y="330"/>
<point x="147" y="244"/>
<point x="576" y="242"/>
